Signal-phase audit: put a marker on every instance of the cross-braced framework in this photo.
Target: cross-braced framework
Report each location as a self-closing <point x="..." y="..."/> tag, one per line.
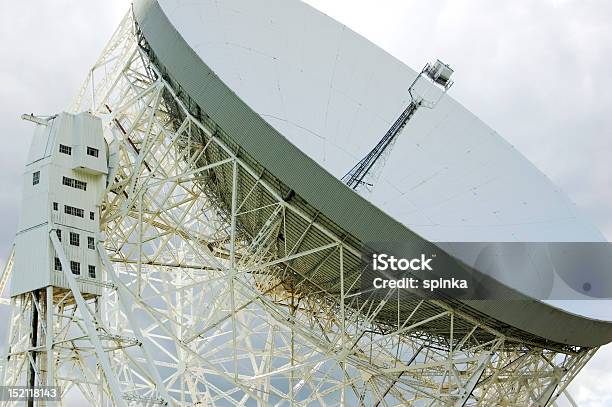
<point x="224" y="288"/>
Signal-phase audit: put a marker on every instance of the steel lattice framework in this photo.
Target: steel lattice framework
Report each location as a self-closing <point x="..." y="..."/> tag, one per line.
<point x="203" y="302"/>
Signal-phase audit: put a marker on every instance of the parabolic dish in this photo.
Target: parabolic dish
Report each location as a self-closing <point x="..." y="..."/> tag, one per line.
<point x="305" y="97"/>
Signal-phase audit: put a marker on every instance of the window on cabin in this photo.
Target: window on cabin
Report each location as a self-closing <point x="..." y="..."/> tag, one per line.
<point x="75" y="267"/>
<point x="65" y="149"/>
<point x="92" y="151"/>
<point x="74" y="239"/>
<point x="71" y="210"/>
<point x="92" y="271"/>
<point x="74" y="183"/>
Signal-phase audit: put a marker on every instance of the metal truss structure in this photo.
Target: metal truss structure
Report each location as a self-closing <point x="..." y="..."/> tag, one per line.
<point x="211" y="292"/>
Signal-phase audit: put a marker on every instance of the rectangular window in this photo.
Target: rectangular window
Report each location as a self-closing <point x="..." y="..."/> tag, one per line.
<point x="75" y="267"/>
<point x="65" y="149"/>
<point x="58" y="264"/>
<point x="92" y="151"/>
<point x="71" y="210"/>
<point x="91" y="243"/>
<point x="74" y="183"/>
<point x="92" y="271"/>
<point x="55" y="206"/>
<point x="35" y="177"/>
<point x="59" y="234"/>
<point x="92" y="216"/>
<point x="74" y="239"/>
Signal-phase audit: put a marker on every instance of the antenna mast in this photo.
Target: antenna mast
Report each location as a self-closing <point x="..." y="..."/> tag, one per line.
<point x="439" y="75"/>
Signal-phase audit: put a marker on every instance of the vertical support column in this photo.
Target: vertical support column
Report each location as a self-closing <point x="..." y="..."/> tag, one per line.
<point x="47" y="366"/>
<point x="233" y="262"/>
<point x="49" y="337"/>
<point x="99" y="371"/>
<point x="32" y="371"/>
<point x="140" y="239"/>
<point x="342" y="327"/>
<point x="292" y="327"/>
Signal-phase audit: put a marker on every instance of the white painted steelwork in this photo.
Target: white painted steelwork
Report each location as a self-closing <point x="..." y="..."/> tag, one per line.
<point x="480" y="188"/>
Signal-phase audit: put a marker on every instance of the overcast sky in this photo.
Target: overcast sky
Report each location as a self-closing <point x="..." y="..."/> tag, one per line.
<point x="537" y="71"/>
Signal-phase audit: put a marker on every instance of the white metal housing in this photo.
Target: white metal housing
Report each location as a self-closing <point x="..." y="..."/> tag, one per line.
<point x="62" y="187"/>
